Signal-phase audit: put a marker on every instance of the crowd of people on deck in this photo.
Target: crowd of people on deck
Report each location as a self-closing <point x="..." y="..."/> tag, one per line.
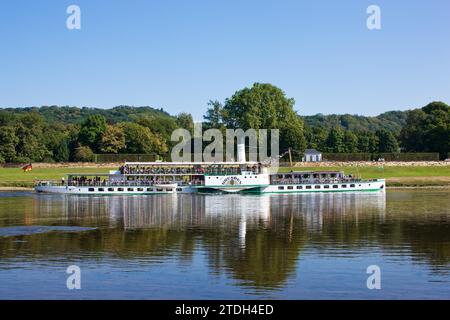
<point x="126" y="169"/>
<point x="140" y="181"/>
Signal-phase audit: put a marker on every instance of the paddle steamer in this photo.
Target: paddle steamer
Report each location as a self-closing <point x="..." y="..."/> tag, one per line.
<point x="135" y="178"/>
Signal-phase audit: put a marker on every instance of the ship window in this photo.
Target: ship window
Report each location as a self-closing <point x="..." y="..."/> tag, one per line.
<point x="149" y="189"/>
<point x="316" y="187"/>
<point x="110" y="189"/>
<point x="280" y="188"/>
<point x="91" y="189"/>
<point x="101" y="189"/>
<point x="308" y="187"/>
<point x="140" y="189"/>
<point x="299" y="187"/>
<point x="130" y="189"/>
<point x="169" y="189"/>
<point x="120" y="189"/>
<point x="179" y="189"/>
<point x="327" y="187"/>
<point x="344" y="186"/>
<point x="335" y="186"/>
<point x="352" y="186"/>
<point x="159" y="189"/>
<point x="290" y="187"/>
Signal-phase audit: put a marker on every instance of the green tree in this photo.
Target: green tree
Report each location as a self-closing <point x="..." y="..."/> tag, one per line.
<point x="387" y="141"/>
<point x="413" y="133"/>
<point x="263" y="106"/>
<point x="428" y="129"/>
<point x="139" y="139"/>
<point x="8" y="142"/>
<point x="162" y="126"/>
<point x="29" y="130"/>
<point x="57" y="142"/>
<point x="335" y="140"/>
<point x="316" y="138"/>
<point x="350" y="142"/>
<point x="83" y="154"/>
<point x="184" y="120"/>
<point x="214" y="115"/>
<point x="91" y="131"/>
<point x="292" y="137"/>
<point x="112" y="140"/>
<point x="30" y="146"/>
<point x="367" y="142"/>
<point x="61" y="152"/>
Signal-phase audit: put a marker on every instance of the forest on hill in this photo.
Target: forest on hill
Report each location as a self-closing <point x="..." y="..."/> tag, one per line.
<point x="392" y="121"/>
<point x="63" y="133"/>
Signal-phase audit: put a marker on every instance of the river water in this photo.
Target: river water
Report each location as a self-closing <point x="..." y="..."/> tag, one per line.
<point x="310" y="246"/>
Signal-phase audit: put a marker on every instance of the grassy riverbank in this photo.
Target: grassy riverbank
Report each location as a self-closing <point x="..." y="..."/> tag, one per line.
<point x="396" y="176"/>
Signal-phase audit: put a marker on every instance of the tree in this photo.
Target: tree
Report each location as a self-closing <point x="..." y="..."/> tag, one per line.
<point x="412" y="134"/>
<point x="61" y="152"/>
<point x="214" y="115"/>
<point x="162" y="126"/>
<point x="387" y="141"/>
<point x="139" y="139"/>
<point x="56" y="140"/>
<point x="292" y="137"/>
<point x="350" y="142"/>
<point x="112" y="140"/>
<point x="335" y="140"/>
<point x="31" y="146"/>
<point x="316" y="137"/>
<point x="428" y="129"/>
<point x="263" y="106"/>
<point x="91" y="131"/>
<point x="83" y="154"/>
<point x="184" y="120"/>
<point x="8" y="142"/>
<point x="367" y="142"/>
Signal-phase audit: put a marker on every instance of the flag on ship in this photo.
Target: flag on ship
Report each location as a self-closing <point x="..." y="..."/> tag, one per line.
<point x="27" y="167"/>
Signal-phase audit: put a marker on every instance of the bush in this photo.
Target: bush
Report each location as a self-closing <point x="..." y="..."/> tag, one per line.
<point x="84" y="154"/>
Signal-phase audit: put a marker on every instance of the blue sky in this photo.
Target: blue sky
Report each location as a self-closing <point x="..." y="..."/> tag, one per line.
<point x="177" y="55"/>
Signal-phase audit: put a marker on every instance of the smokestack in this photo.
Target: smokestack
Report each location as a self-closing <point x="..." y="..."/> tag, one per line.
<point x="241" y="152"/>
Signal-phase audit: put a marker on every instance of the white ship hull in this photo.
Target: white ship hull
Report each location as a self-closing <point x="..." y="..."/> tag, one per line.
<point x="108" y="190"/>
<point x="361" y="186"/>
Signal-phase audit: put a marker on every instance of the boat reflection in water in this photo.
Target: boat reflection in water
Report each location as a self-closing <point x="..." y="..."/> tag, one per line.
<point x="257" y="239"/>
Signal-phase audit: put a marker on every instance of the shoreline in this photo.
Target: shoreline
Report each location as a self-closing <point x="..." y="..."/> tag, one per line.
<point x="9" y="189"/>
<point x="423" y="175"/>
